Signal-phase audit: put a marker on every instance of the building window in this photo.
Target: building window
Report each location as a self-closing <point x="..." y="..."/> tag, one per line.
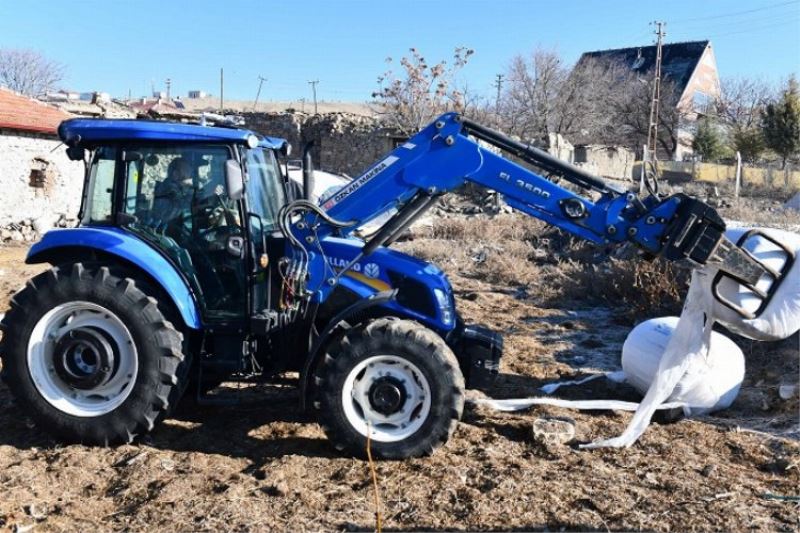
<point x="42" y="174"/>
<point x="701" y="102"/>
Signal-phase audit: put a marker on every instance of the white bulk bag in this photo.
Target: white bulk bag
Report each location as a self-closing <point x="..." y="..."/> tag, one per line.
<point x="781" y="317"/>
<point x="709" y="384"/>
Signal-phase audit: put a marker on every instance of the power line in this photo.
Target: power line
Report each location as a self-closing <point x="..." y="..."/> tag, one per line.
<point x="748" y="21"/>
<point x="745" y="30"/>
<point x="735" y="13"/>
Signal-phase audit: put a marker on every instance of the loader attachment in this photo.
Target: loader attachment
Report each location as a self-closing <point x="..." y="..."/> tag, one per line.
<point x="697" y="233"/>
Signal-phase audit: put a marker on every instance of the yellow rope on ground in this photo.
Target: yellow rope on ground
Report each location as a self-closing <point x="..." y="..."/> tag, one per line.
<point x="378" y="519"/>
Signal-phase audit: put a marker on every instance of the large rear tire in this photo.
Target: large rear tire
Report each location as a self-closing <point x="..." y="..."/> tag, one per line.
<point x="90" y="356"/>
<point x="397" y="381"/>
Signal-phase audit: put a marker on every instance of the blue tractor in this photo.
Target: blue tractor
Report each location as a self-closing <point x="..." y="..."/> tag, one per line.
<point x="194" y="263"/>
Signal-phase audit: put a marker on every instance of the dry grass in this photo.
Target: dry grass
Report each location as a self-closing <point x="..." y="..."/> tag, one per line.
<point x="548" y="265"/>
<point x="754" y="212"/>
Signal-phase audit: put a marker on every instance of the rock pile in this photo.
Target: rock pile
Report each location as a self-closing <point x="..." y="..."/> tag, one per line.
<point x="31" y="229"/>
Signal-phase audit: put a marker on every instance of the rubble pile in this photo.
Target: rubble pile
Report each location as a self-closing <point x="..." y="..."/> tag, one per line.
<point x="31" y="229"/>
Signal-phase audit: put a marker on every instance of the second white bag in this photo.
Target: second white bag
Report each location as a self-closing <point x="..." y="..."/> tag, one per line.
<point x="710" y="383"/>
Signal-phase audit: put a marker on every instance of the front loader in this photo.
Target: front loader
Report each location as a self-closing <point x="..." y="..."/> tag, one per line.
<point x="191" y="265"/>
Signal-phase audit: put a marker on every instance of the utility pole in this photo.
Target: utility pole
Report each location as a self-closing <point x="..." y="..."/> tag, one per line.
<point x="169" y="86"/>
<point x="499" y="85"/>
<point x="261" y="81"/>
<point x="652" y="131"/>
<point x="314" y="91"/>
<point x="221" y="89"/>
<point x="302" y="105"/>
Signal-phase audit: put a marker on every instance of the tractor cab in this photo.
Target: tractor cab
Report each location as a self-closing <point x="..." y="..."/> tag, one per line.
<point x="182" y="193"/>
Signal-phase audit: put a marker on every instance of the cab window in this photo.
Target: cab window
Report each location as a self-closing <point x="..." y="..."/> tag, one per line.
<point x="100" y="192"/>
<point x="265" y="192"/>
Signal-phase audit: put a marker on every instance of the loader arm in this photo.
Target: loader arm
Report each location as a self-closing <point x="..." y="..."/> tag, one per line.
<point x="453" y="150"/>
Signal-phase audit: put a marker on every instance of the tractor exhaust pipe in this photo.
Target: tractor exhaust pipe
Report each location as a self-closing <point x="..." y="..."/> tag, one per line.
<point x="308" y="171"/>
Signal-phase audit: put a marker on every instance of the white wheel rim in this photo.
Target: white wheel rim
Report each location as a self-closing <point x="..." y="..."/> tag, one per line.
<point x="52" y="368"/>
<point x="412" y="412"/>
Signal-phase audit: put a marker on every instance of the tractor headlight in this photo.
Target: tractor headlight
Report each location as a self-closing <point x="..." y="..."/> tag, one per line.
<point x="445" y="307"/>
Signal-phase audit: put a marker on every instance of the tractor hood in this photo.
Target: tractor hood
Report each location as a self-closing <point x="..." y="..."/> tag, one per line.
<point x="424" y="292"/>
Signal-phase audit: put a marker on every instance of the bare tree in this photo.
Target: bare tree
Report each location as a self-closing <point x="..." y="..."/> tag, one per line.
<point x="630" y="114"/>
<point x="591" y="91"/>
<point x="738" y="108"/>
<point x="421" y="92"/>
<point x="596" y="101"/>
<point x="472" y="104"/>
<point x="28" y="72"/>
<point x="529" y="103"/>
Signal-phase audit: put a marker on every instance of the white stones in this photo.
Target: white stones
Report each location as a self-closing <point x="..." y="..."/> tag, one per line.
<point x="552" y="430"/>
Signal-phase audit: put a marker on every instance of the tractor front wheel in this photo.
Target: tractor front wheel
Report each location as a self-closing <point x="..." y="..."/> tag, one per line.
<point x="90" y="356"/>
<point x="393" y="380"/>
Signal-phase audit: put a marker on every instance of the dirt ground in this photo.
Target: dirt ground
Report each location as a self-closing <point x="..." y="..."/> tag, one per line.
<point x="265" y="466"/>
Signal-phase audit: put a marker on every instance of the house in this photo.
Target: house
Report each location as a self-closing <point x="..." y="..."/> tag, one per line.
<point x="39" y="183"/>
<point x="162" y="109"/>
<point x="689" y="66"/>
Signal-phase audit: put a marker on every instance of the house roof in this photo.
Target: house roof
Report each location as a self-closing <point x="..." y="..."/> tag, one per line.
<point x="678" y="60"/>
<point x="108" y="109"/>
<point x="164" y="109"/>
<point x="18" y="112"/>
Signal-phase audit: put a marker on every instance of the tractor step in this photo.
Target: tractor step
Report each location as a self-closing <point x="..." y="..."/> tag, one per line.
<point x="216" y="367"/>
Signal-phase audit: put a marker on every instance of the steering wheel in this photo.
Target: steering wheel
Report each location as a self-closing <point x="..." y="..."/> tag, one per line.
<point x="215" y="238"/>
<point x="230" y="216"/>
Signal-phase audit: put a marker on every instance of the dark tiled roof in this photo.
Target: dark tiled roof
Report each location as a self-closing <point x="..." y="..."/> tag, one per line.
<point x="18" y="112"/>
<point x="677" y="64"/>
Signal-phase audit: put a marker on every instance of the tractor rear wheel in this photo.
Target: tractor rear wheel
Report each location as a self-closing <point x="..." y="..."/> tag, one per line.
<point x="90" y="356"/>
<point x="395" y="380"/>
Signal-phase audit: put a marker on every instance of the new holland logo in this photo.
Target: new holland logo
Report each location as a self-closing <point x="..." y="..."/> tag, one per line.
<point x="372" y="270"/>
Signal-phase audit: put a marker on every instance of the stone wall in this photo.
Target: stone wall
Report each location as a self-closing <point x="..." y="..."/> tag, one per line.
<point x="615" y="162"/>
<point x="344" y="143"/>
<point x="39" y="185"/>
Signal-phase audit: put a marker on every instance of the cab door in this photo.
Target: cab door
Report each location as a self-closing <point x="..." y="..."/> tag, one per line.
<point x="265" y="195"/>
<point x="175" y="198"/>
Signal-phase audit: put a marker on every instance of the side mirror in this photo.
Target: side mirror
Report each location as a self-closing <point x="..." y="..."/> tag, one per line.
<point x="234" y="180"/>
<point x="76" y="153"/>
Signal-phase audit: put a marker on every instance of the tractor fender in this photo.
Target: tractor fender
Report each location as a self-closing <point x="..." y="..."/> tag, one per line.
<point x="338" y="321"/>
<point x="73" y="244"/>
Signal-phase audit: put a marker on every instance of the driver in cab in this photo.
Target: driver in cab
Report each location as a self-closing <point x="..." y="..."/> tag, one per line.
<point x="180" y="205"/>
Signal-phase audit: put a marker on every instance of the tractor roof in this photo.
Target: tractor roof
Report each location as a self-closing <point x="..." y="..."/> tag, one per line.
<point x="89" y="132"/>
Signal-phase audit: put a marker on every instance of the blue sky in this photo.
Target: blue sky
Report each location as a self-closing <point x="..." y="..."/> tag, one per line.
<point x="119" y="46"/>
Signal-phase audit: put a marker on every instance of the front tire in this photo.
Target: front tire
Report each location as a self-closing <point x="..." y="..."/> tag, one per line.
<point x="395" y="379"/>
<point x="90" y="356"/>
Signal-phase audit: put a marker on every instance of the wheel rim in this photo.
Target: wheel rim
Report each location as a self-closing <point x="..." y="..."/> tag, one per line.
<point x="82" y="359"/>
<point x="387" y="396"/>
